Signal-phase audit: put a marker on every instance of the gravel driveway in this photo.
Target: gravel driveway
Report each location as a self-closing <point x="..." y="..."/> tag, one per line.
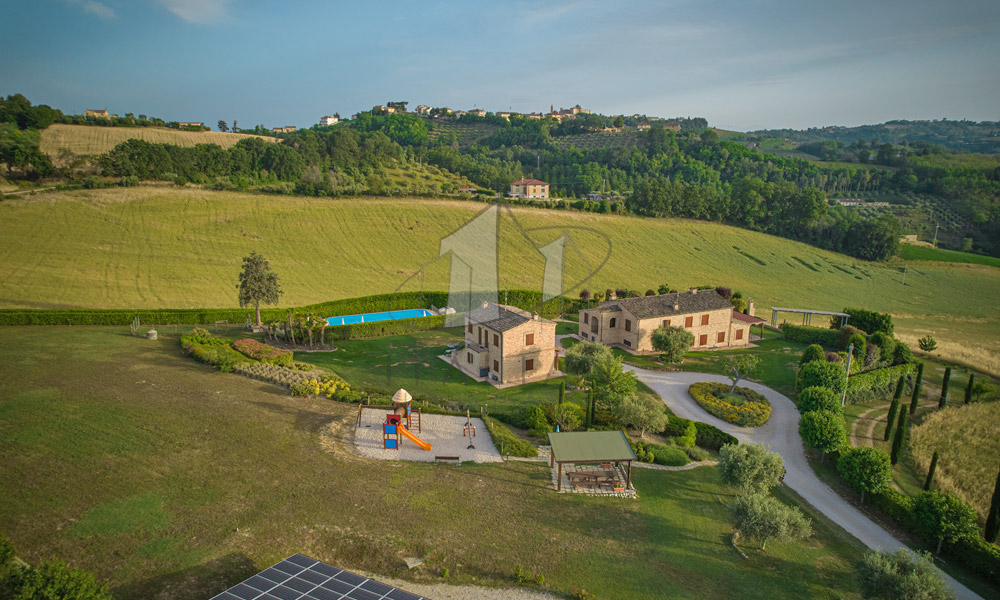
<point x="782" y="435"/>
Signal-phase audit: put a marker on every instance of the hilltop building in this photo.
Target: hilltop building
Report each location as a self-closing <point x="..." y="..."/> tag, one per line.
<point x="505" y="345"/>
<point x="93" y="113"/>
<point x="423" y="110"/>
<point x="285" y="129"/>
<point x="529" y="188"/>
<point x="329" y="120"/>
<point x="628" y="323"/>
<point x="190" y="124"/>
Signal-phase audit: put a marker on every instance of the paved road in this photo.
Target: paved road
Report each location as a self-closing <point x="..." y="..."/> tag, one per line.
<point x="781" y="433"/>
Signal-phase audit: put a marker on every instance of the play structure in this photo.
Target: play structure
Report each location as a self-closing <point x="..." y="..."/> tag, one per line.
<point x="399" y="422"/>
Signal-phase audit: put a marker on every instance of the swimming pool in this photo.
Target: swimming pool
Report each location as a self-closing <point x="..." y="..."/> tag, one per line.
<point x="389" y="315"/>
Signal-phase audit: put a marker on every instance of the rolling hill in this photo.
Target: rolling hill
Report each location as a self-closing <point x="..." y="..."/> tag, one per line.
<point x="181" y="248"/>
<point x="86" y="139"/>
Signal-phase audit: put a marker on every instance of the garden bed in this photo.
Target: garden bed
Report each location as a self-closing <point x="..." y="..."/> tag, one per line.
<point x="743" y="407"/>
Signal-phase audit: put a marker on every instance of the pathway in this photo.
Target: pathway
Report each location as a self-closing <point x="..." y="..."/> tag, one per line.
<point x="782" y="435"/>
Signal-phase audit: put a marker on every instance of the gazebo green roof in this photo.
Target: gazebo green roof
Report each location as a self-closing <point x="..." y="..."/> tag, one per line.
<point x="590" y="446"/>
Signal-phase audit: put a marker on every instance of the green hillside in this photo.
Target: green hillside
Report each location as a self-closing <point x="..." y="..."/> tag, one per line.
<point x="181" y="248"/>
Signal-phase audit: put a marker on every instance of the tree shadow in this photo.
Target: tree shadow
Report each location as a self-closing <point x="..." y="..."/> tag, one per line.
<point x="193" y="583"/>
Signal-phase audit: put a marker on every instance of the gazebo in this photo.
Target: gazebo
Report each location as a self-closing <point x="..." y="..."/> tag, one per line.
<point x="591" y="447"/>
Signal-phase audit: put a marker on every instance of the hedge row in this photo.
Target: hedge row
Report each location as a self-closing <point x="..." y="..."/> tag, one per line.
<point x="870" y="321"/>
<point x="977" y="555"/>
<point x="876" y="385"/>
<point x="511" y="444"/>
<point x="524" y="299"/>
<point x="805" y="334"/>
<point x="709" y="436"/>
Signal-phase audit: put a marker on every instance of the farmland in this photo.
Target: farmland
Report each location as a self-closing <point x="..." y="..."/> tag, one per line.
<point x="466" y="134"/>
<point x="148" y="247"/>
<point x="85" y="139"/>
<point x="599" y="139"/>
<point x="172" y="481"/>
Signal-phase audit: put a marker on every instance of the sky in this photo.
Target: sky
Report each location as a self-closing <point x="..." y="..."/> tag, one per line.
<point x="743" y="65"/>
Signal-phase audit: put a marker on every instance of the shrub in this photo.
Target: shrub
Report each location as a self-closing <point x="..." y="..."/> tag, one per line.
<point x="54" y="581"/>
<point x="811" y="353"/>
<point x="845" y="335"/>
<point x="876" y="385"/>
<point x="581" y="357"/>
<point x="668" y="456"/>
<point x="508" y="443"/>
<point x="867" y="470"/>
<point x="818" y="398"/>
<point x="284" y="376"/>
<point x="885" y="343"/>
<point x="945" y="518"/>
<point x="750" y="467"/>
<point x="805" y="334"/>
<point x="213" y="351"/>
<point x="672" y="343"/>
<point x="329" y="387"/>
<point x="535" y="419"/>
<point x="901" y="575"/>
<point x="895" y="504"/>
<point x="711" y="437"/>
<point x="264" y="352"/>
<point x="7" y="553"/>
<point x="689" y="437"/>
<point x="927" y="343"/>
<point x="753" y="411"/>
<point x="762" y="517"/>
<point x="871" y="321"/>
<point x="822" y="374"/>
<point x="823" y="430"/>
<point x="860" y="346"/>
<point x="902" y="354"/>
<point x="642" y="413"/>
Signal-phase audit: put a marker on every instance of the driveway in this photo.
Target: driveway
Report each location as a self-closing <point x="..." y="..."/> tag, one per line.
<point x="781" y="433"/>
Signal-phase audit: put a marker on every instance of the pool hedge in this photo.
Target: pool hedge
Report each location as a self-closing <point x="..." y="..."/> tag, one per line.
<point x="525" y="299"/>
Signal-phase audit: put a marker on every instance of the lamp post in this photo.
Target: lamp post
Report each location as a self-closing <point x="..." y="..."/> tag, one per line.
<point x="850" y="357"/>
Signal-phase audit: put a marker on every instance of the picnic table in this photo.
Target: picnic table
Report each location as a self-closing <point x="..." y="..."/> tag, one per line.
<point x="592" y="477"/>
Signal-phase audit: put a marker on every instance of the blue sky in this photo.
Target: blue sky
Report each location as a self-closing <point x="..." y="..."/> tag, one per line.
<point x="742" y="65"/>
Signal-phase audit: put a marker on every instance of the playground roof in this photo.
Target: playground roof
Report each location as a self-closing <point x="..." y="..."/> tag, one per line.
<point x="300" y="577"/>
<point x="590" y="446"/>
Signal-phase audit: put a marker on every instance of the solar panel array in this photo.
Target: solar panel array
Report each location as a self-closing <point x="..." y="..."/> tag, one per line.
<point x="299" y="577"/>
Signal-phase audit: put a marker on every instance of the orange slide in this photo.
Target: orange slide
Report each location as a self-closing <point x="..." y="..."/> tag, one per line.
<point x="419" y="442"/>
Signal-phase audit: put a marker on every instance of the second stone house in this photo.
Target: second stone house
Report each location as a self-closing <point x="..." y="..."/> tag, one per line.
<point x="505" y="345"/>
<point x="628" y="323"/>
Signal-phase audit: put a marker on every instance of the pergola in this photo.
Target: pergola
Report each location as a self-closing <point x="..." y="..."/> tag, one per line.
<point x="591" y="447"/>
<point x="807" y="315"/>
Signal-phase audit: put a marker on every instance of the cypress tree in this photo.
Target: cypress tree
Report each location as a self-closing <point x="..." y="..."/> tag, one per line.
<point x="562" y="392"/>
<point x="943" y="400"/>
<point x="894" y="408"/>
<point x="930" y="471"/>
<point x="916" y="388"/>
<point x="993" y="520"/>
<point x="897" y="442"/>
<point x="968" y="388"/>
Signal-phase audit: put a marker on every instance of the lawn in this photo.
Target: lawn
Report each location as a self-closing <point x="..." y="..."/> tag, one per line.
<point x="169" y="480"/>
<point x="912" y="252"/>
<point x="150" y="247"/>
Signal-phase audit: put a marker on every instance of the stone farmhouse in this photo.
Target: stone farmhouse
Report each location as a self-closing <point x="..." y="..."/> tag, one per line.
<point x="505" y="345"/>
<point x="329" y="120"/>
<point x="628" y="323"/>
<point x="93" y="113"/>
<point x="529" y="188"/>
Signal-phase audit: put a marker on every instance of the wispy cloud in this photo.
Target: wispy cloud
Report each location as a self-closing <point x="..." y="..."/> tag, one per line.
<point x="198" y="11"/>
<point x="95" y="8"/>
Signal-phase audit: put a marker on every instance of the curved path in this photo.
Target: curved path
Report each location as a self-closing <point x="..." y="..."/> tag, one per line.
<point x="781" y="433"/>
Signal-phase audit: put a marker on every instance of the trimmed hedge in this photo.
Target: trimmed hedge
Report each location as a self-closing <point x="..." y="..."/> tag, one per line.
<point x="806" y="334"/>
<point x="668" y="455"/>
<point x="711" y="437"/>
<point x="870" y="320"/>
<point x="753" y="413"/>
<point x="512" y="445"/>
<point x="876" y="385"/>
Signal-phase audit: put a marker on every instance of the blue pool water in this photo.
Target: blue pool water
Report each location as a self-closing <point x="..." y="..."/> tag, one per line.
<point x="390" y="315"/>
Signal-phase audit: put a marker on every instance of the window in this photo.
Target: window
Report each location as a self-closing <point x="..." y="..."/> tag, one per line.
<point x="529" y="365"/>
<point x="593" y="326"/>
<point x="704" y="319"/>
<point x="470" y="327"/>
<point x="628" y="343"/>
<point x="496" y="366"/>
<point x="612" y="323"/>
<point x="529" y="339"/>
<point x="469" y="357"/>
<point x="688" y="321"/>
<point x="721" y="337"/>
<point x="666" y="322"/>
<point x="480" y="332"/>
<point x="496" y="340"/>
<point x="739" y="334"/>
<point x="586" y="318"/>
<point x="628" y="324"/>
<point x="703" y="340"/>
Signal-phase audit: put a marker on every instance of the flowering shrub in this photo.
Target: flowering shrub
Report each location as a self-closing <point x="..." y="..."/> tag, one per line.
<point x="753" y="411"/>
<point x="264" y="353"/>
<point x="273" y="373"/>
<point x="329" y="387"/>
<point x="204" y="348"/>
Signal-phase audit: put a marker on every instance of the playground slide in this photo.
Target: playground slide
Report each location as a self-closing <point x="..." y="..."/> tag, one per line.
<point x="419" y="442"/>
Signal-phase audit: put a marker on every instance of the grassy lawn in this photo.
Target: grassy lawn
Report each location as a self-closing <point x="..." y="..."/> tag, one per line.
<point x="149" y="247"/>
<point x="123" y="457"/>
<point x="911" y="252"/>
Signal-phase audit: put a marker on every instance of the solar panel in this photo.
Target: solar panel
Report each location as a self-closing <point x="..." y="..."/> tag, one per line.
<point x="299" y="577"/>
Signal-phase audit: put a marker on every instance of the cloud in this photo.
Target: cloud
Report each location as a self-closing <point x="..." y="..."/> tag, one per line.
<point x="198" y="11"/>
<point x="95" y="8"/>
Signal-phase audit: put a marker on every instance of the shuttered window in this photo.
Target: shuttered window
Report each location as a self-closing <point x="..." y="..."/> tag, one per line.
<point x="704" y="319"/>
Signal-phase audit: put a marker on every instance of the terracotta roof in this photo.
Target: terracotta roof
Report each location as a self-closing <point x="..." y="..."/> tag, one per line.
<point x="648" y="307"/>
<point x="529" y="182"/>
<point x="746" y="318"/>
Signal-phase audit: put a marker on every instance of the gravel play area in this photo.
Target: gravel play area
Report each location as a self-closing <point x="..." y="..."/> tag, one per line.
<point x="444" y="433"/>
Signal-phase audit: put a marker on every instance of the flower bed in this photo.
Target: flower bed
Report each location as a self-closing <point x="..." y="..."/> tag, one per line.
<point x="274" y="373"/>
<point x="264" y="353"/>
<point x="753" y="411"/>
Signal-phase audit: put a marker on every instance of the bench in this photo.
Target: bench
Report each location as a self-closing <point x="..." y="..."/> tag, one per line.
<point x="447" y="459"/>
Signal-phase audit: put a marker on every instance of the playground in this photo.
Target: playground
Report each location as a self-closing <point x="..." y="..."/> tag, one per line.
<point x="401" y="432"/>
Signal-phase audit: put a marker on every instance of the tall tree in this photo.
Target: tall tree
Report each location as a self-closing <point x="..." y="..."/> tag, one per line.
<point x="930" y="471"/>
<point x="945" y="517"/>
<point x="916" y="388"/>
<point x="823" y="430"/>
<point x="968" y="388"/>
<point x="993" y="518"/>
<point x="750" y="467"/>
<point x="943" y="400"/>
<point x="867" y="470"/>
<point x="893" y="408"/>
<point x="901" y="575"/>
<point x="258" y="283"/>
<point x="899" y="440"/>
<point x="672" y="343"/>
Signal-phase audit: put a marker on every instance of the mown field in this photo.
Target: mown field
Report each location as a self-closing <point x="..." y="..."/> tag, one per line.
<point x="914" y="252"/>
<point x="86" y="139"/>
<point x="182" y="248"/>
<point x="172" y="481"/>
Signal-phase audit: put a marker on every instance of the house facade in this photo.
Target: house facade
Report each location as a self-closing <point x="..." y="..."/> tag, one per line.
<point x="93" y="113"/>
<point x="190" y="124"/>
<point x="629" y="323"/>
<point x="505" y="345"/>
<point x="329" y="120"/>
<point x="529" y="188"/>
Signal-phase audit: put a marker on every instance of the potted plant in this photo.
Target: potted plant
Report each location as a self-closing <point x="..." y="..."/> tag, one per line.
<point x="618" y="485"/>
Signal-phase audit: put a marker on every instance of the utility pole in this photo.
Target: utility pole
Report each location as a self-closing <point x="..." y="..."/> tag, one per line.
<point x="850" y="356"/>
<point x="936" y="227"/>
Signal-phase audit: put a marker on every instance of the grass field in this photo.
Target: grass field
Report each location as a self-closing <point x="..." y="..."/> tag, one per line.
<point x="913" y="252"/>
<point x="181" y="248"/>
<point x="410" y="175"/>
<point x="967" y="469"/>
<point x="172" y="481"/>
<point x="86" y="139"/>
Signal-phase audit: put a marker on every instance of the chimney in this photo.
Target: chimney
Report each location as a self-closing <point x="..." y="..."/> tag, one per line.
<point x="534" y="316"/>
<point x="750" y="308"/>
<point x="485" y="303"/>
<point x="694" y="291"/>
<point x="677" y="301"/>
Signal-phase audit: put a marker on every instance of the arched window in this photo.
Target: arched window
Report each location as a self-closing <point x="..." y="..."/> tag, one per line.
<point x="612" y="322"/>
